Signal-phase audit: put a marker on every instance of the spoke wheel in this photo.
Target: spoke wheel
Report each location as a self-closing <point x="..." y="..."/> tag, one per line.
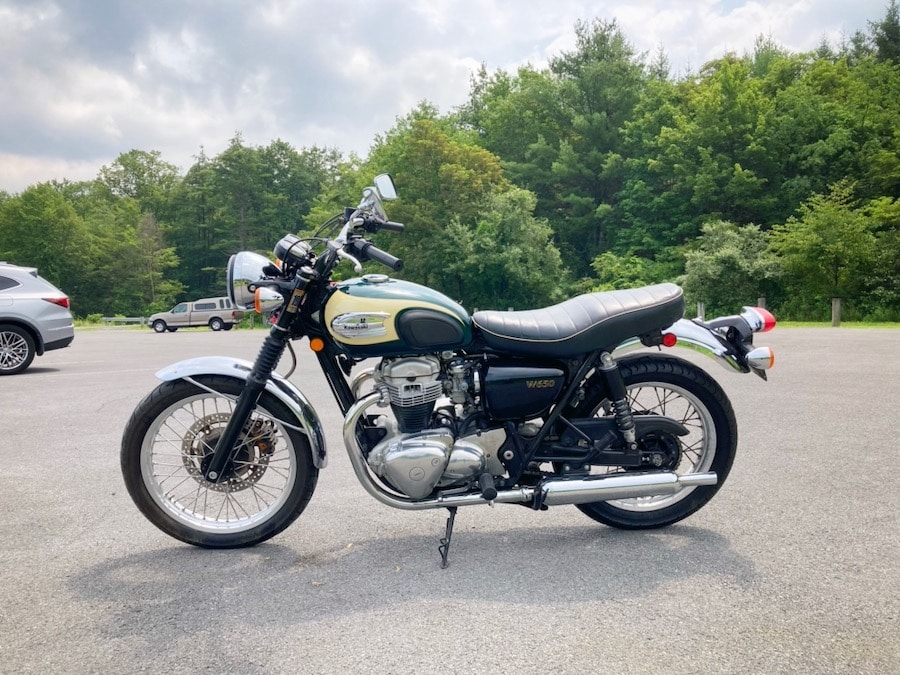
<point x="168" y="443"/>
<point x="677" y="389"/>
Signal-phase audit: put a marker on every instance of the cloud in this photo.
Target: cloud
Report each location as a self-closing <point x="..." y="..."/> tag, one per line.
<point x="85" y="80"/>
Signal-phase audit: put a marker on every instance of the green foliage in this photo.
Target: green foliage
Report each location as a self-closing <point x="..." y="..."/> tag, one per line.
<point x="507" y="258"/>
<point x="622" y="271"/>
<point x="730" y="267"/>
<point x="828" y="250"/>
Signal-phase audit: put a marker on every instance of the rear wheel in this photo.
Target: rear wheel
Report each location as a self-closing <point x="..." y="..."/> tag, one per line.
<point x="17" y="349"/>
<point x="168" y="442"/>
<point x="216" y="323"/>
<point x="674" y="388"/>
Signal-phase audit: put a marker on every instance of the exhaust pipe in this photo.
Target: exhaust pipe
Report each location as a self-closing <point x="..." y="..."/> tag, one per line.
<point x="552" y="492"/>
<point x="618" y="486"/>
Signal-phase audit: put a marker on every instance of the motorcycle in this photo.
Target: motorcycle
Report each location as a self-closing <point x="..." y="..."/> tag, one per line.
<point x="564" y="405"/>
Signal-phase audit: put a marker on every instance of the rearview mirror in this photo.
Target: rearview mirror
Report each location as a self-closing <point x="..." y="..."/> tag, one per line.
<point x="385" y="186"/>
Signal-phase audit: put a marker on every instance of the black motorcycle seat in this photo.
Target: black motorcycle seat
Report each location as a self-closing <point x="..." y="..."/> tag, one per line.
<point x="582" y="324"/>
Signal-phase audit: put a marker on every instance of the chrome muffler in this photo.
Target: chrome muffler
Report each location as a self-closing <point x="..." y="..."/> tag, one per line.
<point x="617" y="486"/>
<point x="552" y="492"/>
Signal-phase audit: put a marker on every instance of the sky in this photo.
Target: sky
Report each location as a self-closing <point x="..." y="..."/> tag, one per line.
<point x="83" y="81"/>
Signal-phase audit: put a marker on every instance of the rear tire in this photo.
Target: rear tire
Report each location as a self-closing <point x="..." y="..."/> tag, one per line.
<point x="216" y="323"/>
<point x="170" y="437"/>
<point x="17" y="349"/>
<point x="670" y="386"/>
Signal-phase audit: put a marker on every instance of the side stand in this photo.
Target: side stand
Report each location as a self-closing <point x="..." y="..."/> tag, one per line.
<point x="444" y="548"/>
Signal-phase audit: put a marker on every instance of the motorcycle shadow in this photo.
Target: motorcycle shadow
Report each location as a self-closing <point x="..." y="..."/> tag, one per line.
<point x="175" y="589"/>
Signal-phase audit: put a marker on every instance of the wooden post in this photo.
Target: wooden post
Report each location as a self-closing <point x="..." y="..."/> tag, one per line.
<point x="761" y="302"/>
<point x="701" y="311"/>
<point x="835" y="312"/>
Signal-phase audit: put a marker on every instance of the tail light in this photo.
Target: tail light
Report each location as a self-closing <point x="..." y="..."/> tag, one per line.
<point x="61" y="301"/>
<point x="759" y="319"/>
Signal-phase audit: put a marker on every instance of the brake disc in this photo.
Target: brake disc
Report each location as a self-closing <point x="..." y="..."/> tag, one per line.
<point x="255" y="445"/>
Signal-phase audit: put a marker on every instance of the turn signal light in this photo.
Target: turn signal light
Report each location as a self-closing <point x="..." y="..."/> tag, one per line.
<point x="761" y="358"/>
<point x="266" y="300"/>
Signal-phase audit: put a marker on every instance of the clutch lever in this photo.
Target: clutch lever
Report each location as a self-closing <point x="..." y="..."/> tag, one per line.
<point x="357" y="266"/>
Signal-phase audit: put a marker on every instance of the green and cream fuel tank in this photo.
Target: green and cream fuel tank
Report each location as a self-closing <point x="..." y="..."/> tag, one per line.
<point x="375" y="315"/>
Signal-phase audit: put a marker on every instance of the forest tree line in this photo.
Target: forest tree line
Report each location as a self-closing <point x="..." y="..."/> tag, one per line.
<point x="772" y="174"/>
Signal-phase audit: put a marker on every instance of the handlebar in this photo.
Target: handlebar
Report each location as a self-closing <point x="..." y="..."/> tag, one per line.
<point x="366" y="250"/>
<point x="391" y="226"/>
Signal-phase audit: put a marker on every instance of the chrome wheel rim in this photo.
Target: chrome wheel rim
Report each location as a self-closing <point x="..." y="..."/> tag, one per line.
<point x="172" y="456"/>
<point x="698" y="447"/>
<point x="13" y="350"/>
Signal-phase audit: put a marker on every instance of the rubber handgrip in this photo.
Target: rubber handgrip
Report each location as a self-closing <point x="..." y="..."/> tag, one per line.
<point x="368" y="251"/>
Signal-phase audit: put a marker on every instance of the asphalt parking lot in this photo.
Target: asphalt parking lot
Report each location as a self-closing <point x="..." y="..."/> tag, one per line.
<point x="793" y="567"/>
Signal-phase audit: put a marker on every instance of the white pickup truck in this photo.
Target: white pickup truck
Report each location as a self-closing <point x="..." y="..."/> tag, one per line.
<point x="217" y="313"/>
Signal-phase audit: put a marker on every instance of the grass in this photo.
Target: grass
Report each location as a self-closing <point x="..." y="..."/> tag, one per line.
<point x="844" y="324"/>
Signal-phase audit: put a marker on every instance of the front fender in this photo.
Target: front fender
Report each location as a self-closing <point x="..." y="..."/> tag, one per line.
<point x="697" y="338"/>
<point x="307" y="420"/>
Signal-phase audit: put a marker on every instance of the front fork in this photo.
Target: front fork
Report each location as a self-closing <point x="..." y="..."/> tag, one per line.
<point x="263" y="367"/>
<point x="269" y="355"/>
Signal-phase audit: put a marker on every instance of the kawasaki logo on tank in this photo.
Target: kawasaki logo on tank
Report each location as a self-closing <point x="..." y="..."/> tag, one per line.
<point x="360" y="324"/>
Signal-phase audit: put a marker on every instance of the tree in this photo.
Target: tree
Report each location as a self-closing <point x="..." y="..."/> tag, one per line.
<point x="40" y="228"/>
<point x="828" y="251"/>
<point x="442" y="177"/>
<point x="142" y="176"/>
<point x="886" y="34"/>
<point x="507" y="259"/>
<point x="731" y="266"/>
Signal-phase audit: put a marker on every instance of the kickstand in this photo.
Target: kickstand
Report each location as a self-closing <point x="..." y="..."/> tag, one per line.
<point x="444" y="548"/>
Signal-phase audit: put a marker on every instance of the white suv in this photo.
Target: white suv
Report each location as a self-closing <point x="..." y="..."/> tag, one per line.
<point x="34" y="318"/>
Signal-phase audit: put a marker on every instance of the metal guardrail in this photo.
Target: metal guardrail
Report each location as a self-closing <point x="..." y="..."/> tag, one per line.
<point x="107" y="320"/>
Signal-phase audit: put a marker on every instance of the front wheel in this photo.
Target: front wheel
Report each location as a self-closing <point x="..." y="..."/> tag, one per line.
<point x="674" y="388"/>
<point x="168" y="443"/>
<point x="159" y="326"/>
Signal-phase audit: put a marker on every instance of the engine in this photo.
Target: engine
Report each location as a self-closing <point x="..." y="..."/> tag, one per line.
<point x="448" y="414"/>
<point x="424" y="449"/>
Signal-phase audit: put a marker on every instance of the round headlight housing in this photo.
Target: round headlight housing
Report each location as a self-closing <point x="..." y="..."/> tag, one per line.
<point x="244" y="269"/>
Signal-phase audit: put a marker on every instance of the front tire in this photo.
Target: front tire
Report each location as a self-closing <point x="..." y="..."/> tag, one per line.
<point x="675" y="388"/>
<point x="159" y="326"/>
<point x="171" y="436"/>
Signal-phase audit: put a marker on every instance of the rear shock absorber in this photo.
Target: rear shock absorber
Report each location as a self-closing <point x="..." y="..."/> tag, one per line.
<point x="618" y="396"/>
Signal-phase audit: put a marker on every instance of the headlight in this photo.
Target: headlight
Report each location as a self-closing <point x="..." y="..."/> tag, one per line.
<point x="244" y="268"/>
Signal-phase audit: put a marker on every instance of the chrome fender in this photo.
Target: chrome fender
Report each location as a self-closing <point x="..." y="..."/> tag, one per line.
<point x="305" y="416"/>
<point x="697" y="338"/>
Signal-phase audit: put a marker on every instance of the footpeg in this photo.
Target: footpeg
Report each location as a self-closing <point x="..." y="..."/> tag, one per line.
<point x="488" y="488"/>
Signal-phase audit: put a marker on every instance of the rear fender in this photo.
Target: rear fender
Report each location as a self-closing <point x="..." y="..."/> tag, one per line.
<point x="697" y="338"/>
<point x="306" y="420"/>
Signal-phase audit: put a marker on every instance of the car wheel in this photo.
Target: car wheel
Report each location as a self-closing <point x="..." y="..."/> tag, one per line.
<point x="216" y="323"/>
<point x="16" y="349"/>
<point x="159" y="326"/>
